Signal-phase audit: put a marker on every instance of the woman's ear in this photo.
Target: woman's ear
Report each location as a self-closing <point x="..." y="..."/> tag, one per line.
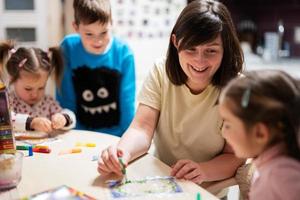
<point x="75" y="26"/>
<point x="262" y="134"/>
<point x="174" y="41"/>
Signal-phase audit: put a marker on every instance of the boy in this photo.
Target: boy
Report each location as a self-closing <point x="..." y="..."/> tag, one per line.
<point x="99" y="78"/>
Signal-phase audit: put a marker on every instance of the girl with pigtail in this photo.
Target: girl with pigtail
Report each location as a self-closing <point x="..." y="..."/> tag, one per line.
<point x="261" y="121"/>
<point x="26" y="70"/>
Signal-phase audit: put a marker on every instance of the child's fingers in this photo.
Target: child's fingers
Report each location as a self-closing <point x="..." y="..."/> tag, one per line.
<point x="58" y="121"/>
<point x="57" y="124"/>
<point x="47" y="125"/>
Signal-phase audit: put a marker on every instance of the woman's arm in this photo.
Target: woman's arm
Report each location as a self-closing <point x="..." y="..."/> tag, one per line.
<point x="137" y="139"/>
<point x="222" y="166"/>
<point x="134" y="143"/>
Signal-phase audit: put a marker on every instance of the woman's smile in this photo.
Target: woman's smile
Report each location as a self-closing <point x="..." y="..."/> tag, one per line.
<point x="198" y="69"/>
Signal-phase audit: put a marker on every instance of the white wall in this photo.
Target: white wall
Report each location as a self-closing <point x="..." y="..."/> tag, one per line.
<point x="26" y="19"/>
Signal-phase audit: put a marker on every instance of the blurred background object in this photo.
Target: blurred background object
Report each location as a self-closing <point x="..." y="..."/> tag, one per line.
<point x="32" y="22"/>
<point x="271" y="16"/>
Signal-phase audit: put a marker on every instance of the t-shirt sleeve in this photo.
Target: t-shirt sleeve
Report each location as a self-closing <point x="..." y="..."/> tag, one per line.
<point x="150" y="93"/>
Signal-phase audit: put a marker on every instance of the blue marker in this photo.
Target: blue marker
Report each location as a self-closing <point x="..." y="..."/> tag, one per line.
<point x="30" y="151"/>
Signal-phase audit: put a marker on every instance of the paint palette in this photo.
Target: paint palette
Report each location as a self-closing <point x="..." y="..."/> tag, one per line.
<point x="147" y="186"/>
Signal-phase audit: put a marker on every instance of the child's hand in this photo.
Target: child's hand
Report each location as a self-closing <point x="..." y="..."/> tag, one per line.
<point x="189" y="170"/>
<point x="58" y="121"/>
<point x="41" y="124"/>
<point x="108" y="161"/>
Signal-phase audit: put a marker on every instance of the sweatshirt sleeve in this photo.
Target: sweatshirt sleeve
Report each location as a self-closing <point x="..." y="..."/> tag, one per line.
<point x="72" y="119"/>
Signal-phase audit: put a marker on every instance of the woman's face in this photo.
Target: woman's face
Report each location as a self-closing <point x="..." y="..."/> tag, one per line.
<point x="200" y="63"/>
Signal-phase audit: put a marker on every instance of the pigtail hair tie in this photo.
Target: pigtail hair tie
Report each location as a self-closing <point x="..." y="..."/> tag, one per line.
<point x="21" y="64"/>
<point x="11" y="52"/>
<point x="246" y="98"/>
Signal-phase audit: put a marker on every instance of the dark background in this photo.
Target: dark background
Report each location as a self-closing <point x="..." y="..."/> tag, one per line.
<point x="266" y="15"/>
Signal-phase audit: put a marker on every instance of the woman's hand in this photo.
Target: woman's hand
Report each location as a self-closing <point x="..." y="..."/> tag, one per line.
<point x="108" y="161"/>
<point x="58" y="121"/>
<point x="41" y="124"/>
<point x="189" y="170"/>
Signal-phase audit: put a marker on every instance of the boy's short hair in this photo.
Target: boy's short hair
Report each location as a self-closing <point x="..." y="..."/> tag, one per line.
<point x="90" y="11"/>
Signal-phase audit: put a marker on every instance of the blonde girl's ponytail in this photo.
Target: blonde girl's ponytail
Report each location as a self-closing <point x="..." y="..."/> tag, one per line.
<point x="56" y="61"/>
<point x="6" y="50"/>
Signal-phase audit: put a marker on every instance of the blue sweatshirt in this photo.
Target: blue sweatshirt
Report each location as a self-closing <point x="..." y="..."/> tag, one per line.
<point x="99" y="89"/>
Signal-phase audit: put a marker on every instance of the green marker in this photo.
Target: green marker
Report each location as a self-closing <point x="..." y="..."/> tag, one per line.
<point x="22" y="147"/>
<point x="123" y="169"/>
<point x="198" y="197"/>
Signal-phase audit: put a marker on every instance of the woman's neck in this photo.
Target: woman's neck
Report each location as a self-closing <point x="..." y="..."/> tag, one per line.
<point x="195" y="90"/>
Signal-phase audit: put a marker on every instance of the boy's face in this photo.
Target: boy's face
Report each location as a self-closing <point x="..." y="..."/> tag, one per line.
<point x="95" y="37"/>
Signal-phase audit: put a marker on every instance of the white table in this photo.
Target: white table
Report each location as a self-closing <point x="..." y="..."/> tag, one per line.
<point x="45" y="171"/>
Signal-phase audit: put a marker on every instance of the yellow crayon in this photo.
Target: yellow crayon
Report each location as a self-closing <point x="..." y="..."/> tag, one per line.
<point x="88" y="144"/>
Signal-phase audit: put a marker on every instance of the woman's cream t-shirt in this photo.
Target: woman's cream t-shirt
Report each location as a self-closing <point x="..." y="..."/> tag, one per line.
<point x="189" y="125"/>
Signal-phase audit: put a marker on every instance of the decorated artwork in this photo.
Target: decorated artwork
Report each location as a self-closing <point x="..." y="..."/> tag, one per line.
<point x="145" y="19"/>
<point x="153" y="185"/>
<point x="61" y="192"/>
<point x="97" y="98"/>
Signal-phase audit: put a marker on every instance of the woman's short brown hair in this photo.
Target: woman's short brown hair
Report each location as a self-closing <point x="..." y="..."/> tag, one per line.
<point x="201" y="21"/>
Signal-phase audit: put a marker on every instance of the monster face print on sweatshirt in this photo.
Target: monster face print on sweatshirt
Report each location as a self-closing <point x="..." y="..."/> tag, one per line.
<point x="97" y="95"/>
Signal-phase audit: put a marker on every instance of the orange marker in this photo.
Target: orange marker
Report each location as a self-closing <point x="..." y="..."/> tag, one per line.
<point x="70" y="151"/>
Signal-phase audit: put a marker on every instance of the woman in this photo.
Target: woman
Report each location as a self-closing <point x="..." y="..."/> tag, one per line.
<point x="178" y="101"/>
